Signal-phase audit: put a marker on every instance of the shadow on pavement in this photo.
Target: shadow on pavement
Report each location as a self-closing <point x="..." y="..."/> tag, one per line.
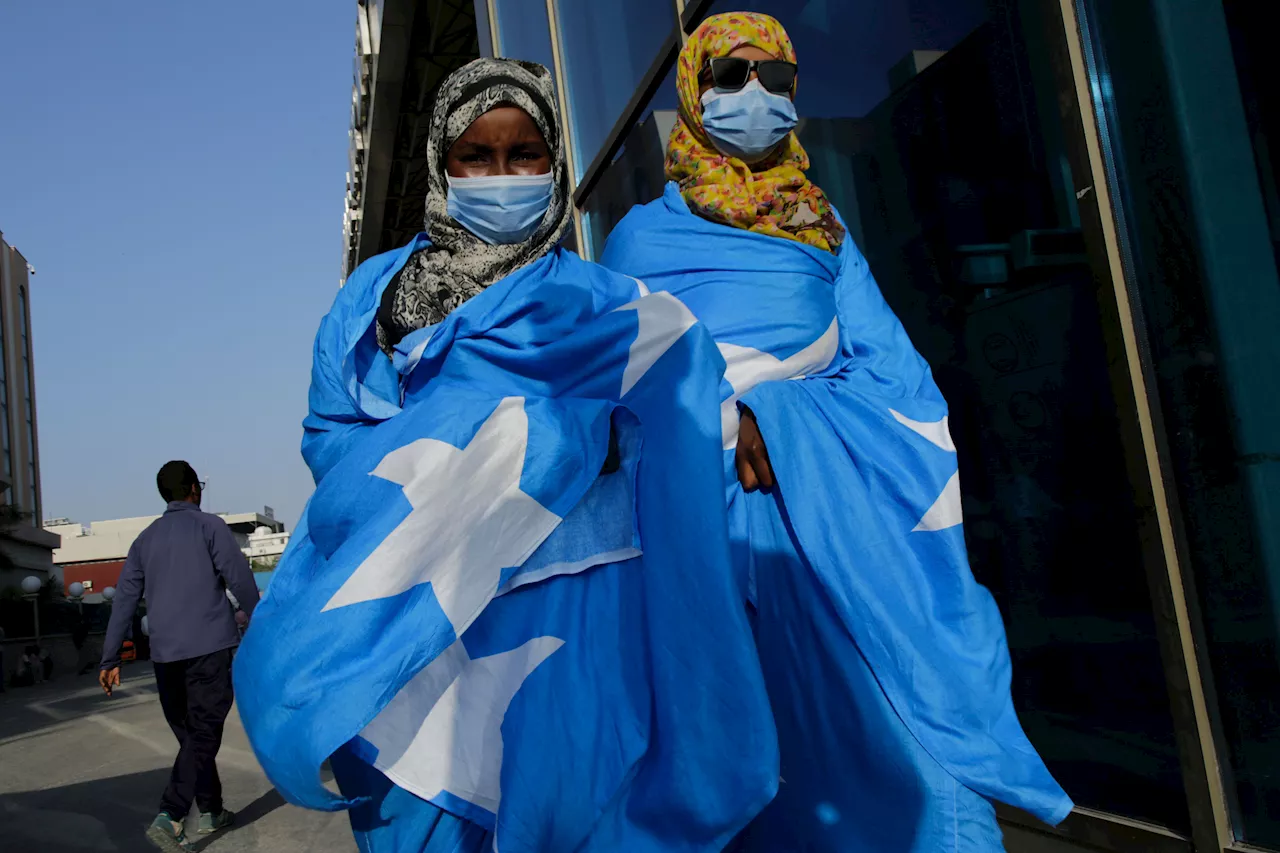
<point x="105" y="814"/>
<point x="259" y="808"/>
<point x="28" y="716"/>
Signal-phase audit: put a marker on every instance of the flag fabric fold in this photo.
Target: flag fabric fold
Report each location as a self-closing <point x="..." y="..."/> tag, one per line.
<point x="496" y="643"/>
<point x="856" y="564"/>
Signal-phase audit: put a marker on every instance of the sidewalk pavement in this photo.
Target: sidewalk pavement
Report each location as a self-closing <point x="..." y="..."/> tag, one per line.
<point x="80" y="772"/>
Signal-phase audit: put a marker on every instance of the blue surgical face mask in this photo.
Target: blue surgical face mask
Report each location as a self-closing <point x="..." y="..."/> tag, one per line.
<point x="749" y="123"/>
<point x="500" y="208"/>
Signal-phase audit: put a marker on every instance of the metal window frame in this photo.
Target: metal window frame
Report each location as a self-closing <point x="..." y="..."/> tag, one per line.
<point x="692" y="13"/>
<point x="562" y="100"/>
<point x="645" y="90"/>
<point x="566" y="119"/>
<point x="1101" y="831"/>
<point x="665" y="57"/>
<point x="495" y="37"/>
<point x="684" y="36"/>
<point x="490" y="26"/>
<point x="1178" y="626"/>
<point x="689" y="14"/>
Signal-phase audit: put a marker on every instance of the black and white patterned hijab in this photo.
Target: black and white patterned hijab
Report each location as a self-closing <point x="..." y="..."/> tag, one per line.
<point x="458" y="265"/>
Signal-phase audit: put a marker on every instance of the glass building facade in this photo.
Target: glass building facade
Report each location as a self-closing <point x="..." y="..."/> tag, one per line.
<point x="1074" y="207"/>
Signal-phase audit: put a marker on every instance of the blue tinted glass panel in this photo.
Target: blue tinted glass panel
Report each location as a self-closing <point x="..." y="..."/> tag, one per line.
<point x="852" y="54"/>
<point x="1192" y="101"/>
<point x="666" y="97"/>
<point x="523" y="32"/>
<point x="636" y="175"/>
<point x="607" y="49"/>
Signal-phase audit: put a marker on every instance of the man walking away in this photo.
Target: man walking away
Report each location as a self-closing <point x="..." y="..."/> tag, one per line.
<point x="183" y="564"/>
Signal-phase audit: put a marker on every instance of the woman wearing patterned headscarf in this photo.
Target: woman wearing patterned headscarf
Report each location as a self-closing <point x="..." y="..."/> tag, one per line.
<point x="885" y="661"/>
<point x="500" y="202"/>
<point x="504" y="619"/>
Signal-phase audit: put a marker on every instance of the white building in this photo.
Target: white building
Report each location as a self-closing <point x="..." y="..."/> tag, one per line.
<point x="265" y="545"/>
<point x="94" y="554"/>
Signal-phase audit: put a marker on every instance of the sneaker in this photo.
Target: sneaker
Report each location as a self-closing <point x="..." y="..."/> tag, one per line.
<point x="213" y="822"/>
<point x="167" y="834"/>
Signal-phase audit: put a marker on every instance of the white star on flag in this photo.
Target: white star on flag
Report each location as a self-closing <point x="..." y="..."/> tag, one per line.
<point x="747" y="367"/>
<point x="662" y="320"/>
<point x="456" y="746"/>
<point x="468" y="520"/>
<point x="947" y="511"/>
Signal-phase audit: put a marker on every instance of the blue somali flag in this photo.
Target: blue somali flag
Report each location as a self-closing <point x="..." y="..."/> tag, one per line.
<point x="885" y="660"/>
<point x="497" y="643"/>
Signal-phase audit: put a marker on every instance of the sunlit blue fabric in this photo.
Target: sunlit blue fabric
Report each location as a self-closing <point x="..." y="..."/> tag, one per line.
<point x="886" y="661"/>
<point x="636" y="718"/>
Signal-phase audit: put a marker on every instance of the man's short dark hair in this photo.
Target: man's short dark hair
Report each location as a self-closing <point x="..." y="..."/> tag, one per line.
<point x="175" y="481"/>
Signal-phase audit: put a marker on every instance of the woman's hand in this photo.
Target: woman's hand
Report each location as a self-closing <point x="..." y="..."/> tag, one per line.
<point x="754" y="470"/>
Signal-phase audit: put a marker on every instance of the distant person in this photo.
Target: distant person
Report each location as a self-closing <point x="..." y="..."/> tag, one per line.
<point x="28" y="674"/>
<point x="183" y="564"/>
<point x="3" y="671"/>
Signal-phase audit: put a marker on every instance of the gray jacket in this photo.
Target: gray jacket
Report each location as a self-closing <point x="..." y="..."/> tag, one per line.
<point x="182" y="565"/>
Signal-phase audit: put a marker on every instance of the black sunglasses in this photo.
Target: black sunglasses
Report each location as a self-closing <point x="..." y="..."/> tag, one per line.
<point x="731" y="73"/>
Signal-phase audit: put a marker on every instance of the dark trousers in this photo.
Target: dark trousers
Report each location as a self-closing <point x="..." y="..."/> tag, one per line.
<point x="196" y="697"/>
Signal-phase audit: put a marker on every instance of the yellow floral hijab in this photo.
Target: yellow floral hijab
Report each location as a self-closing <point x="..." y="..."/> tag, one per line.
<point x="775" y="199"/>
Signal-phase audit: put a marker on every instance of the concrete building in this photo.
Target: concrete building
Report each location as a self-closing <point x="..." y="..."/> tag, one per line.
<point x="25" y="548"/>
<point x="94" y="554"/>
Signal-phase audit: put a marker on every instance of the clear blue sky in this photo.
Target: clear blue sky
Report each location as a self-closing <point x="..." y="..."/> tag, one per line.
<point x="175" y="173"/>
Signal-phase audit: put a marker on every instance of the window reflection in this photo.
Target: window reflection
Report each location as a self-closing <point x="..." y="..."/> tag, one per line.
<point x="636" y="175"/>
<point x="523" y="31"/>
<point x="1195" y="117"/>
<point x="607" y="48"/>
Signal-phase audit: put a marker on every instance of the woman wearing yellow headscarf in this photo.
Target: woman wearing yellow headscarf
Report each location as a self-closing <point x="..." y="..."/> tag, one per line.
<point x="885" y="661"/>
